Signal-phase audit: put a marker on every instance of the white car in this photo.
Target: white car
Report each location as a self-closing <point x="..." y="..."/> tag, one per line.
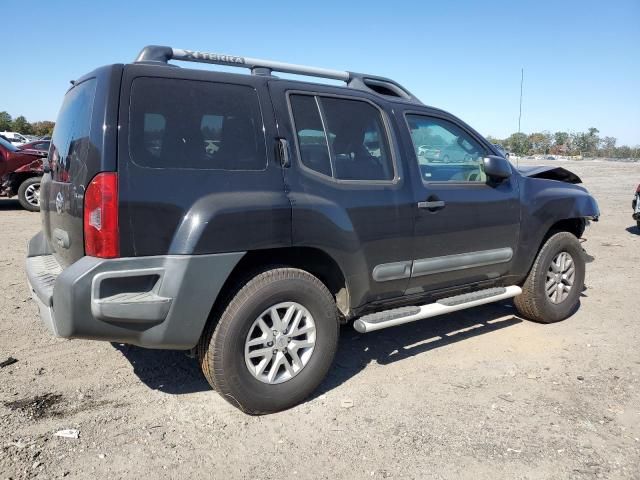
<point x="15" y="138"/>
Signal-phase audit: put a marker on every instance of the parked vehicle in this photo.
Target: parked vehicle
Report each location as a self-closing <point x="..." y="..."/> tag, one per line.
<point x="430" y="153"/>
<point x="635" y="205"/>
<point x="17" y="139"/>
<point x="20" y="174"/>
<point x="312" y="210"/>
<point x="41" y="146"/>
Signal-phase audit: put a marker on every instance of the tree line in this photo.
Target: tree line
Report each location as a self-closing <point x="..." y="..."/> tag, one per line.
<point x="21" y="125"/>
<point x="587" y="144"/>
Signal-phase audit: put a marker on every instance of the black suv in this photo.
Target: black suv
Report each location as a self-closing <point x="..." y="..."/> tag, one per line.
<point x="247" y="216"/>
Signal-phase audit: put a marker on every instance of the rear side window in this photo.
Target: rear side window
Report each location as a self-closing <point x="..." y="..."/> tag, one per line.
<point x="314" y="150"/>
<point x="342" y="138"/>
<point x="70" y="141"/>
<point x="193" y="124"/>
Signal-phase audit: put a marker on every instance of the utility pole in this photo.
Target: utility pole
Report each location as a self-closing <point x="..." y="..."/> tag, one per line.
<point x="520" y="114"/>
<point x="521" y="83"/>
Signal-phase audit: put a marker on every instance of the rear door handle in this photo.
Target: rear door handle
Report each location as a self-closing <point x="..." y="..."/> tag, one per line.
<point x="432" y="205"/>
<point x="283" y="151"/>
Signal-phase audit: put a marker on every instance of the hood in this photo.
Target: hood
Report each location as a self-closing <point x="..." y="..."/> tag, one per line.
<point x="35" y="152"/>
<point x="550" y="173"/>
<point x="17" y="160"/>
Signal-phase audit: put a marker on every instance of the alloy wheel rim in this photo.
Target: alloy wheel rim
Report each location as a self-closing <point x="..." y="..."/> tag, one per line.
<point x="280" y="343"/>
<point x="32" y="194"/>
<point x="560" y="277"/>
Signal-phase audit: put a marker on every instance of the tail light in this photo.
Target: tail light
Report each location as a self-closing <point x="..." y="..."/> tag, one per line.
<point x="638" y="189"/>
<point x="101" y="216"/>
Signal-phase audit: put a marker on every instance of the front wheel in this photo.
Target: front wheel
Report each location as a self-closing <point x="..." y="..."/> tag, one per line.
<point x="273" y="344"/>
<point x="29" y="194"/>
<point x="552" y="290"/>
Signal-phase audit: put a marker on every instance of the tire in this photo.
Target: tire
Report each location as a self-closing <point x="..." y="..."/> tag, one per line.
<point x="29" y="194"/>
<point x="638" y="224"/>
<point x="222" y="347"/>
<point x="534" y="302"/>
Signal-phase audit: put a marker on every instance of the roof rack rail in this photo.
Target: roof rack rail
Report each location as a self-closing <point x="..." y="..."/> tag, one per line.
<point x="380" y="85"/>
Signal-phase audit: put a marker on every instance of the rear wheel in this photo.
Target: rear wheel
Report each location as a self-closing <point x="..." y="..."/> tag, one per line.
<point x="29" y="194"/>
<point x="552" y="290"/>
<point x="273" y="344"/>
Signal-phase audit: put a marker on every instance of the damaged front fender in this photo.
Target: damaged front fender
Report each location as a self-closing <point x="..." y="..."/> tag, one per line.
<point x="550" y="173"/>
<point x="546" y="202"/>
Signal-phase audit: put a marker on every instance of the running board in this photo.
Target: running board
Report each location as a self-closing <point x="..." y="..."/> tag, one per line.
<point x="398" y="316"/>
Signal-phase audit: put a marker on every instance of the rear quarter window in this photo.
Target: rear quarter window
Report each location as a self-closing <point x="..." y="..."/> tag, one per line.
<point x="70" y="140"/>
<point x="191" y="124"/>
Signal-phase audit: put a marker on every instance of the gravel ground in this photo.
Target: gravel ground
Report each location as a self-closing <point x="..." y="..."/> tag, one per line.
<point x="479" y="394"/>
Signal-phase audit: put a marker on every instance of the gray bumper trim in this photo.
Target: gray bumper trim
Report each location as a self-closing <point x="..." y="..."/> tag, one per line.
<point x="155" y="302"/>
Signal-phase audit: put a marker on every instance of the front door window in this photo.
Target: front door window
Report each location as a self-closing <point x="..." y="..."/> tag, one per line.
<point x="445" y="152"/>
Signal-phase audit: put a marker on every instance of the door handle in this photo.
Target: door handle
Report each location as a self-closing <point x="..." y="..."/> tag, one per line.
<point x="283" y="152"/>
<point x="432" y="205"/>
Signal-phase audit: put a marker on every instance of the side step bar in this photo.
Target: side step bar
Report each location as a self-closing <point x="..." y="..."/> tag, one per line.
<point x="398" y="316"/>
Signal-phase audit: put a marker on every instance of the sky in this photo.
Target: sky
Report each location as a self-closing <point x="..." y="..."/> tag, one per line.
<point x="581" y="59"/>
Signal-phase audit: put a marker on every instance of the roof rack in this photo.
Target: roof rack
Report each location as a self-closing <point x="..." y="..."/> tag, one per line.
<point x="380" y="85"/>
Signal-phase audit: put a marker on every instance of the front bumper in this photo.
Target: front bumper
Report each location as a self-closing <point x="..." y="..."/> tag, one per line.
<point x="156" y="302"/>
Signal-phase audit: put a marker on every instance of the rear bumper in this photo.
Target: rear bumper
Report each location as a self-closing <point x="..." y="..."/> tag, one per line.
<point x="155" y="302"/>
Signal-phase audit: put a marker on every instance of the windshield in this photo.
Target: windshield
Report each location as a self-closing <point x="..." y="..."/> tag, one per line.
<point x="8" y="145"/>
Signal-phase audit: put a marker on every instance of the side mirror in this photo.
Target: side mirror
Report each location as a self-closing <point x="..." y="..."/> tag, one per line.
<point x="496" y="167"/>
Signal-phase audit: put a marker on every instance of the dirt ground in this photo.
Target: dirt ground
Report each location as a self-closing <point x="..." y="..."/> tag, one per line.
<point x="479" y="394"/>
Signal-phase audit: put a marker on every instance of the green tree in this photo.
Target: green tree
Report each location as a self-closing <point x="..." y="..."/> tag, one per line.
<point x="593" y="140"/>
<point x="625" y="152"/>
<point x="540" y="142"/>
<point x="579" y="143"/>
<point x="561" y="139"/>
<point x="608" y="146"/>
<point x="5" y="121"/>
<point x="21" y="125"/>
<point x="42" y="128"/>
<point x="518" y="143"/>
<point x="586" y="143"/>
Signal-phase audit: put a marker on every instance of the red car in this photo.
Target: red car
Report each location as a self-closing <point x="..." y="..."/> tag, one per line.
<point x="39" y="145"/>
<point x="20" y="174"/>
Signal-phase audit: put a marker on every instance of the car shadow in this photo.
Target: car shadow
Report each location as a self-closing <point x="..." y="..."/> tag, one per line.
<point x="169" y="371"/>
<point x="176" y="373"/>
<point x="10" y="204"/>
<point x="395" y="344"/>
<point x="633" y="230"/>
